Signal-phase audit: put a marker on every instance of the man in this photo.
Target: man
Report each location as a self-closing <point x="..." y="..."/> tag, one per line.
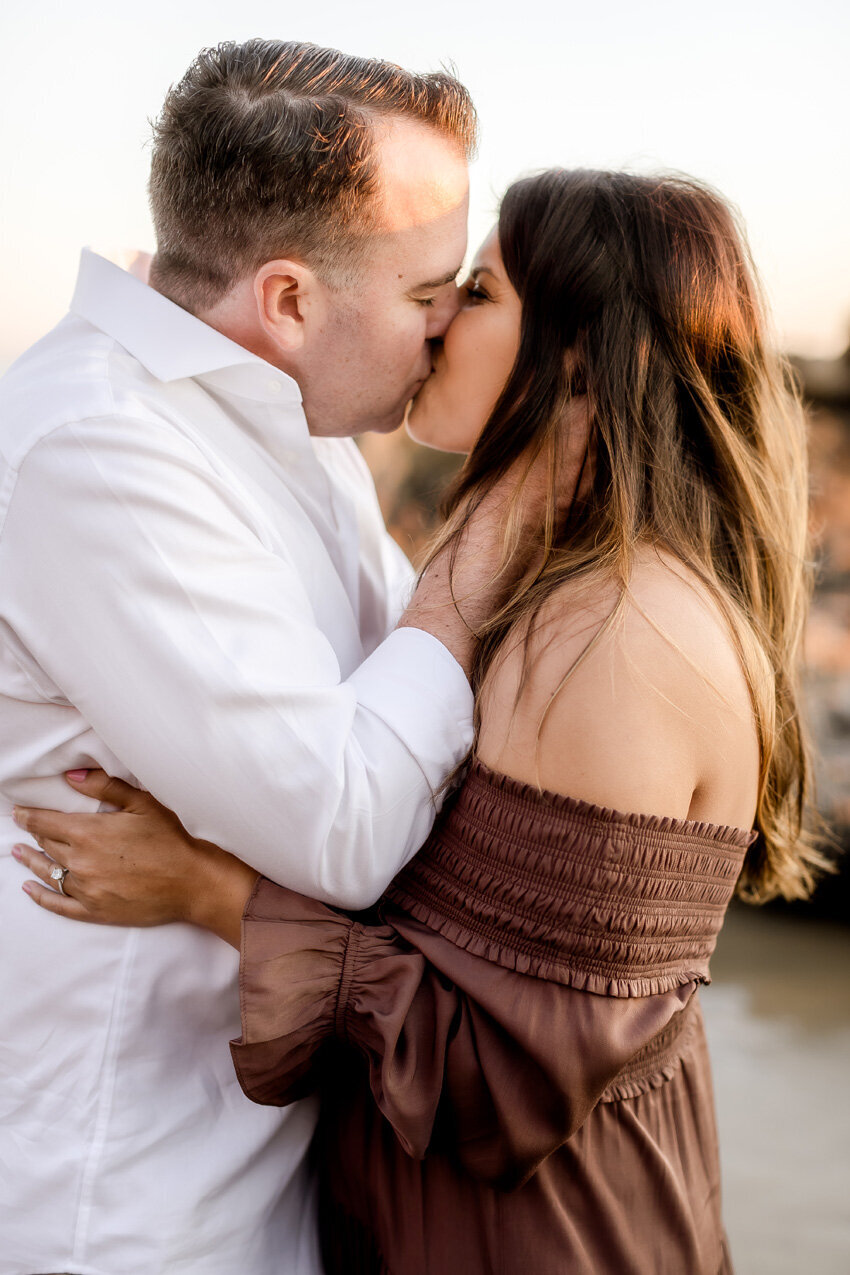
<point x="196" y="593"/>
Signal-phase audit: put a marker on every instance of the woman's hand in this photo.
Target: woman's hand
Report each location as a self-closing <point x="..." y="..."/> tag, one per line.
<point x="469" y="578"/>
<point x="137" y="866"/>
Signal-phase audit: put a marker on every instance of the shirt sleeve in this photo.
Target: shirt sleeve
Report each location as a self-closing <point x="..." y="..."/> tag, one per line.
<point x="133" y="575"/>
<point x="497" y="1067"/>
<point x="399" y="576"/>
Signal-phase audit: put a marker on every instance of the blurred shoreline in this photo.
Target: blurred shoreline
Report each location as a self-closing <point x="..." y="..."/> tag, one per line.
<point x="778" y="1021"/>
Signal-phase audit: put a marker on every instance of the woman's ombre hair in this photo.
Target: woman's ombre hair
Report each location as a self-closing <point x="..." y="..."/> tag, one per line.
<point x="639" y="293"/>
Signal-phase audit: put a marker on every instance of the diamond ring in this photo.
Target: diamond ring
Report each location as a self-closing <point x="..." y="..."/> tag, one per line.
<point x="58" y="874"/>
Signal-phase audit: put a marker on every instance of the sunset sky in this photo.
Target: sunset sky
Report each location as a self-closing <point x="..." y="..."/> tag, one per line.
<point x="749" y="96"/>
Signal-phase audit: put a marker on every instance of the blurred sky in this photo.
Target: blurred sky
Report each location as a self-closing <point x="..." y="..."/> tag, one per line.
<point x="751" y="96"/>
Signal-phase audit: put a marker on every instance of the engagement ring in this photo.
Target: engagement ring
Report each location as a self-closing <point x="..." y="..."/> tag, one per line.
<point x="58" y="874"/>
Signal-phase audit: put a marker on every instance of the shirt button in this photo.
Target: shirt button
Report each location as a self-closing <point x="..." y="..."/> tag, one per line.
<point x="274" y="387"/>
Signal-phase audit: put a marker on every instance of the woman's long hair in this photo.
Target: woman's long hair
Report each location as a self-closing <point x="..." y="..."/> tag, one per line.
<point x="638" y="293"/>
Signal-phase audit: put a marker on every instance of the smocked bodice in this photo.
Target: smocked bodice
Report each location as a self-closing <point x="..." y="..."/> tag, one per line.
<point x="619" y="904"/>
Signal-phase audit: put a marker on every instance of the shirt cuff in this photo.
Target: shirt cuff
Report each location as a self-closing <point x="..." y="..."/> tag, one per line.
<point x="415" y="686"/>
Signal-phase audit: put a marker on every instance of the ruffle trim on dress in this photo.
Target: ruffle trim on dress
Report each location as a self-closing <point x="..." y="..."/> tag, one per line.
<point x="622" y="1090"/>
<point x="658" y="1064"/>
<point x="481" y="782"/>
<point x="602" y="981"/>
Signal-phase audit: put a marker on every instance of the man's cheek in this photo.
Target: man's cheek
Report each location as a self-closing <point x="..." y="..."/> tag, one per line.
<point x="416" y="336"/>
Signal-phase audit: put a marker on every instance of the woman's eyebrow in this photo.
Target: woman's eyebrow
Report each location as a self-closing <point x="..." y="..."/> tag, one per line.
<point x="477" y="270"/>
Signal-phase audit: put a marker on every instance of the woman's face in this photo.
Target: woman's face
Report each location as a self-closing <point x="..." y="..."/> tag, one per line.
<point x="474" y="361"/>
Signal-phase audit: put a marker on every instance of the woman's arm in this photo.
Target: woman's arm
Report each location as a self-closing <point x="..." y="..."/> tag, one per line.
<point x="464" y="1056"/>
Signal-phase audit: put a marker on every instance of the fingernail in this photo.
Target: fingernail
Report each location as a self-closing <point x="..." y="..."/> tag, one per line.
<point x="18" y="816"/>
<point x="76" y="776"/>
<point x="16" y="852"/>
<point x="27" y="887"/>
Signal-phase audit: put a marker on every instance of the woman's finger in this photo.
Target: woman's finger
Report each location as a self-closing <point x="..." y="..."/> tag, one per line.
<point x="105" y="788"/>
<point x="51" y="825"/>
<point x="42" y="865"/>
<point x="60" y="851"/>
<point x="61" y="904"/>
<point x="58" y="825"/>
<point x="37" y="861"/>
<point x="41" y="862"/>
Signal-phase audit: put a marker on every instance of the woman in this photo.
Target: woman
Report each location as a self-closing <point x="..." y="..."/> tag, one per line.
<point x="510" y="1051"/>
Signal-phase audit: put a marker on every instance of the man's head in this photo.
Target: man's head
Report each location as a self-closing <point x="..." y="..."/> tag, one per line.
<point x="312" y="206"/>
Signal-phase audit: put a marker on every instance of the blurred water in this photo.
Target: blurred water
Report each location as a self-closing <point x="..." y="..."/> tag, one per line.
<point x="778" y="1019"/>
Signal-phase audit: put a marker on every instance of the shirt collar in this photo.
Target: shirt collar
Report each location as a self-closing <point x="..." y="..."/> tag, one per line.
<point x="170" y="342"/>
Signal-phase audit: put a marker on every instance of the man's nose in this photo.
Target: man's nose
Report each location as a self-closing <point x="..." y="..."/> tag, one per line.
<point x="444" y="310"/>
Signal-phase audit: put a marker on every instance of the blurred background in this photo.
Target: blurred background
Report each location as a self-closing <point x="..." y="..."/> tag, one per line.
<point x="747" y="95"/>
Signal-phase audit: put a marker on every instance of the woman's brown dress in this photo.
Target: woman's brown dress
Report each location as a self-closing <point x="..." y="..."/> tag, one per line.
<point x="512" y="1059"/>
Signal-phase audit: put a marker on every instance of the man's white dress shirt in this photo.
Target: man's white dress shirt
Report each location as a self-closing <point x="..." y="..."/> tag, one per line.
<point x="195" y="595"/>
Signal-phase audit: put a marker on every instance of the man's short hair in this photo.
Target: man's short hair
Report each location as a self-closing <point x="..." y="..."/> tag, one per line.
<point x="266" y="149"/>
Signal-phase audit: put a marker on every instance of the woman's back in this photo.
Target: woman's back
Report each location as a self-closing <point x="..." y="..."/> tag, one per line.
<point x="637" y="703"/>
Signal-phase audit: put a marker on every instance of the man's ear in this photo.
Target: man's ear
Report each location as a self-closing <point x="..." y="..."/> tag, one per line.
<point x="286" y="293"/>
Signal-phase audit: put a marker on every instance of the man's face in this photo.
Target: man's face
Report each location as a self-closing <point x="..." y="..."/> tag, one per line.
<point x="367" y="351"/>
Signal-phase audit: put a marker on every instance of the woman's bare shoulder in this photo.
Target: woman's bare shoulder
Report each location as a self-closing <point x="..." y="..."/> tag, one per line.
<point x="635" y="700"/>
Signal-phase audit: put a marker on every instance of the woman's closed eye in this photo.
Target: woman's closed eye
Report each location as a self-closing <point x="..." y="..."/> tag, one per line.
<point x="474" y="292"/>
